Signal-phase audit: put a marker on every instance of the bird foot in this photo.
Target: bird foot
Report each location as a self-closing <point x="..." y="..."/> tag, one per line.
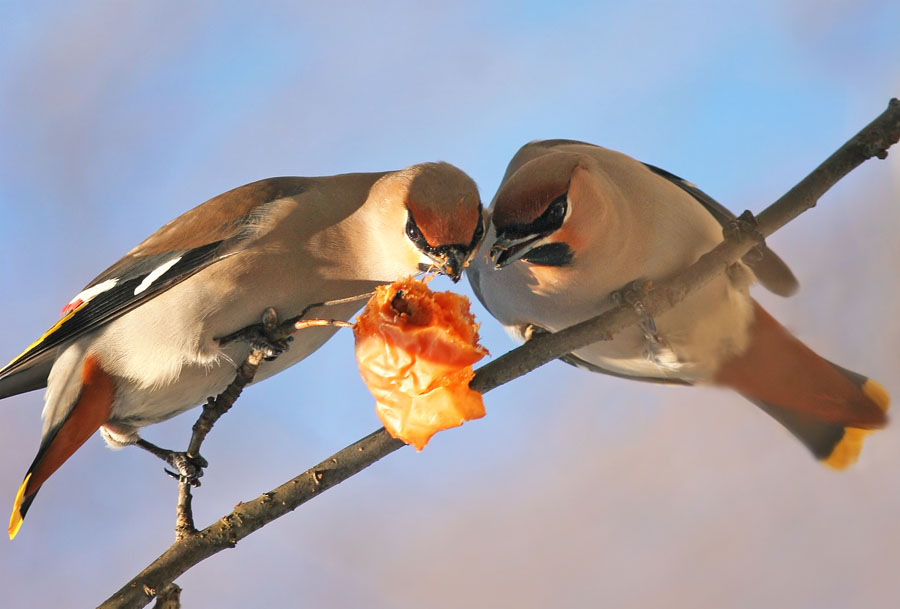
<point x="632" y="295"/>
<point x="188" y="468"/>
<point x="657" y="349"/>
<point x="531" y="330"/>
<point x="262" y="336"/>
<point x="260" y="340"/>
<point x="743" y="225"/>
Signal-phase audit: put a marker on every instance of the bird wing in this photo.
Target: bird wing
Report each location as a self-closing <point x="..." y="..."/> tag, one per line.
<point x="574" y="360"/>
<point x="772" y="271"/>
<point x="213" y="231"/>
<point x="769" y="268"/>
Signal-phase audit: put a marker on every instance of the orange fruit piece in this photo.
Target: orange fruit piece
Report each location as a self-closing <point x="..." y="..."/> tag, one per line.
<point x="415" y="349"/>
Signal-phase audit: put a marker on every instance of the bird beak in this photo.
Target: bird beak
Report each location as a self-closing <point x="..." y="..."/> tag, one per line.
<point x="507" y="250"/>
<point x="451" y="260"/>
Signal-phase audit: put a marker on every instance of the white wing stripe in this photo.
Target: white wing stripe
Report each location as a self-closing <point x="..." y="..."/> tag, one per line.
<point x="155" y="274"/>
<point x="86" y="295"/>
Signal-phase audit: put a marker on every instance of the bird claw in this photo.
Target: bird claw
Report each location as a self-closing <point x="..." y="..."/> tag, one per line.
<point x="531" y="330"/>
<point x="743" y="225"/>
<point x="189" y="469"/>
<point x="269" y="347"/>
<point x="261" y="337"/>
<point x="631" y="295"/>
<point x="657" y="349"/>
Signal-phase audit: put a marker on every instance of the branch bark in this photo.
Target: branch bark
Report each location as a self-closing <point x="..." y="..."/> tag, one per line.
<point x="212" y="410"/>
<point x="168" y="598"/>
<point x="873" y="140"/>
<point x="222" y="403"/>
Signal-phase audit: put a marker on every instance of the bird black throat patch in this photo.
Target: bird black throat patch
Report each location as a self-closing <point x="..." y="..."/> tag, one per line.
<point x="550" y="254"/>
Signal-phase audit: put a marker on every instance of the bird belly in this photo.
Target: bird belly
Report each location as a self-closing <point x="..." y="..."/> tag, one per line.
<point x="166" y="356"/>
<point x="693" y="338"/>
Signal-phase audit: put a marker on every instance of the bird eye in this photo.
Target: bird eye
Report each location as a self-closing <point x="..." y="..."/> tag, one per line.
<point x="556" y="211"/>
<point x="479" y="229"/>
<point x="412" y="231"/>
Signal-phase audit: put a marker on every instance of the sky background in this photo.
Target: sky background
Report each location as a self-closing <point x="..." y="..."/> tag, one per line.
<point x="576" y="490"/>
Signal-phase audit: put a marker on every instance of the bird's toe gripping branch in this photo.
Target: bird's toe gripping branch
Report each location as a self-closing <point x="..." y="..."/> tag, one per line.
<point x="263" y="337"/>
<point x="532" y="330"/>
<point x="632" y="295"/>
<point x="269" y="347"/>
<point x="744" y="225"/>
<point x="188" y="468"/>
<point x="657" y="349"/>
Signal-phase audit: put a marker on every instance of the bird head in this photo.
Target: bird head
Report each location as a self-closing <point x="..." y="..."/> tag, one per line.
<point x="531" y="213"/>
<point x="444" y="218"/>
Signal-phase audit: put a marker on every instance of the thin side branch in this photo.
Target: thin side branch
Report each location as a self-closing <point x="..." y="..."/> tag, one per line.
<point x="873" y="140"/>
<point x="218" y="406"/>
<point x="318" y="323"/>
<point x="212" y="410"/>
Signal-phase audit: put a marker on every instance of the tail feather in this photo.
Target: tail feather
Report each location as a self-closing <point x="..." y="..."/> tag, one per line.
<point x="828" y="408"/>
<point x="833" y="444"/>
<point x="90" y="410"/>
<point x="27" y="377"/>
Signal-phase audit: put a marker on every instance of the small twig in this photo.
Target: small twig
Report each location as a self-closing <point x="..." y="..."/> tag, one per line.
<point x="331" y="303"/>
<point x="216" y="407"/>
<point x="292" y="324"/>
<point x="318" y="323"/>
<point x="289" y="326"/>
<point x="873" y="140"/>
<point x="184" y="514"/>
<point x="212" y="410"/>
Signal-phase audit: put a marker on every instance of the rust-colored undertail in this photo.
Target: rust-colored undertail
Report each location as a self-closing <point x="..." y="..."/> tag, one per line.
<point x="91" y="410"/>
<point x="828" y="408"/>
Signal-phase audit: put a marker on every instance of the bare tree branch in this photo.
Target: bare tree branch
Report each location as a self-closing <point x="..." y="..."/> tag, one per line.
<point x="214" y="408"/>
<point x="873" y="140"/>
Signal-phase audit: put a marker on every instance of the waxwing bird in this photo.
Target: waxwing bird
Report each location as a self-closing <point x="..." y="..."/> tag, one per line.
<point x="140" y="343"/>
<point x="572" y="223"/>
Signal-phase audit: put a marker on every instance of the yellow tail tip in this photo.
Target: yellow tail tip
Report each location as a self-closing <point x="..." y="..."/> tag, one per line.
<point x="877" y="393"/>
<point x="15" y="519"/>
<point x="846" y="452"/>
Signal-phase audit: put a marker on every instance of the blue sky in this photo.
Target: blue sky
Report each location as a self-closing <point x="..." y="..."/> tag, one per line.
<point x="575" y="489"/>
